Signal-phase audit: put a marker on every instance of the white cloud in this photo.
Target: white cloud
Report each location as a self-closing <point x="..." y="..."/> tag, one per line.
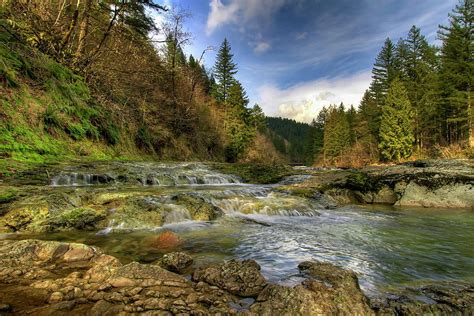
<point x="240" y="11"/>
<point x="261" y="47"/>
<point x="301" y="36"/>
<point x="303" y="101"/>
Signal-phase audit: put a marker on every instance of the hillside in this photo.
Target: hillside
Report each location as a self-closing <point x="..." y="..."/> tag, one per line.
<point x="113" y="94"/>
<point x="289" y="137"/>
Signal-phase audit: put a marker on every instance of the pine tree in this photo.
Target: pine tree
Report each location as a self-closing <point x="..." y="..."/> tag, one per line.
<point x="456" y="73"/>
<point x="224" y="71"/>
<point x="419" y="64"/>
<point x="351" y="119"/>
<point x="396" y="129"/>
<point x="386" y="69"/>
<point x="336" y="133"/>
<point x="367" y="126"/>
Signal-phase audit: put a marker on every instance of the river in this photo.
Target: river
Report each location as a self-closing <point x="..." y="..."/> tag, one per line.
<point x="387" y="247"/>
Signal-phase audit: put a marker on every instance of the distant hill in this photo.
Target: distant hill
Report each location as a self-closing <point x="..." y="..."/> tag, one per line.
<point x="289" y="137"/>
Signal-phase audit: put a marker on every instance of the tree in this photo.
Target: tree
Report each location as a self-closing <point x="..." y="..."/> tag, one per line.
<point x="396" y="129"/>
<point x="457" y="73"/>
<point x="224" y="71"/>
<point x="366" y="127"/>
<point x="419" y="64"/>
<point x="386" y="69"/>
<point x="337" y="136"/>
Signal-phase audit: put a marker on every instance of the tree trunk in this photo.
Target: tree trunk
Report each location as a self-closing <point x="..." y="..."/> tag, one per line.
<point x="72" y="26"/>
<point x="83" y="30"/>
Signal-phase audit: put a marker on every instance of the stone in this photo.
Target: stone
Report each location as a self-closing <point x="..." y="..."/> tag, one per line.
<point x="56" y="297"/>
<point x="122" y="282"/>
<point x="176" y="261"/>
<point x="78" y="252"/>
<point x="241" y="278"/>
<point x="166" y="240"/>
<point x="329" y="290"/>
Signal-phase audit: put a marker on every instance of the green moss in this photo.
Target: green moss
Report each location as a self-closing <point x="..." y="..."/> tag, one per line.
<point x="78" y="218"/>
<point x="256" y="173"/>
<point x="299" y="191"/>
<point x="360" y="181"/>
<point x="8" y="195"/>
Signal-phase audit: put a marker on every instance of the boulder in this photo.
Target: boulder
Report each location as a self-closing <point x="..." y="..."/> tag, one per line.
<point x="198" y="207"/>
<point x="176" y="261"/>
<point x="455" y="195"/>
<point x="329" y="290"/>
<point x="242" y="278"/>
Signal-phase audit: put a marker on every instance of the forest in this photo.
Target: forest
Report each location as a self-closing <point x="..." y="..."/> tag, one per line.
<point x="418" y="105"/>
<point x="101" y="80"/>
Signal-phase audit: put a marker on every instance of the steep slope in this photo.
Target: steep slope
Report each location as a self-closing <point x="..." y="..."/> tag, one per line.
<point x="289" y="137"/>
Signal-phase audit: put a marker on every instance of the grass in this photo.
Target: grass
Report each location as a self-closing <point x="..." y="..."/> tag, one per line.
<point x="47" y="114"/>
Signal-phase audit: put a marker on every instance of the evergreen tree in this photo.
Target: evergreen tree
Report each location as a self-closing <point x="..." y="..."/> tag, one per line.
<point x="258" y="117"/>
<point x="351" y="119"/>
<point x="224" y="71"/>
<point x="367" y="126"/>
<point x="336" y="133"/>
<point x="396" y="129"/>
<point x="386" y="69"/>
<point x="456" y="73"/>
<point x="419" y="68"/>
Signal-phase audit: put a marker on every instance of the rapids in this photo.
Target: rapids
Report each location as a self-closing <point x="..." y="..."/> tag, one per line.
<point x="387" y="247"/>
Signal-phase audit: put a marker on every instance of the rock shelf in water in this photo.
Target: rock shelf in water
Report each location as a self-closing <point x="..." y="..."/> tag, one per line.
<point x="70" y="278"/>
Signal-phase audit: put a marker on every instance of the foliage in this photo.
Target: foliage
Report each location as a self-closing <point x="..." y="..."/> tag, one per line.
<point x="396" y="128"/>
<point x="289" y="137"/>
<point x="337" y="135"/>
<point x="224" y="71"/>
<point x="430" y="106"/>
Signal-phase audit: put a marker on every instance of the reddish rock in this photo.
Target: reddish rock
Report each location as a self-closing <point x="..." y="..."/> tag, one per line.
<point x="166" y="240"/>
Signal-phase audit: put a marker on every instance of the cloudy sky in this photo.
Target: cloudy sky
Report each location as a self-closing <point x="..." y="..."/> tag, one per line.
<point x="295" y="56"/>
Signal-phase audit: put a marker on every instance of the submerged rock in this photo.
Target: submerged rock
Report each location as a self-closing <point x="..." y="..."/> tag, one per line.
<point x="241" y="278"/>
<point x="166" y="240"/>
<point x="175" y="261"/>
<point x="435" y="299"/>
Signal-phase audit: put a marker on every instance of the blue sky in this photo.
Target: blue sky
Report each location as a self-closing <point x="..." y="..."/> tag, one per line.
<point x="295" y="56"/>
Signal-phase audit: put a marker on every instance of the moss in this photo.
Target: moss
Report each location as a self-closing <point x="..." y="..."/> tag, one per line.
<point x="8" y="195"/>
<point x="256" y="173"/>
<point x="83" y="218"/>
<point x="360" y="181"/>
<point x="199" y="209"/>
<point x="307" y="193"/>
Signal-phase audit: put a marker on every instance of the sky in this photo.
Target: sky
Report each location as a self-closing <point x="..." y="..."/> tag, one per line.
<point x="296" y="56"/>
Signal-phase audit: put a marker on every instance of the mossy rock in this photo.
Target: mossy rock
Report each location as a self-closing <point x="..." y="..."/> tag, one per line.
<point x="83" y="218"/>
<point x="137" y="212"/>
<point x="25" y="218"/>
<point x="360" y="181"/>
<point x="198" y="207"/>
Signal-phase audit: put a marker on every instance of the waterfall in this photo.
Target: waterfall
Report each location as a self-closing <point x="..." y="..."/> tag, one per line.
<point x="146" y="174"/>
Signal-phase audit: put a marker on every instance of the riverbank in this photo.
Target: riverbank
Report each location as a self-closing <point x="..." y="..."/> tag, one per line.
<point x="428" y="183"/>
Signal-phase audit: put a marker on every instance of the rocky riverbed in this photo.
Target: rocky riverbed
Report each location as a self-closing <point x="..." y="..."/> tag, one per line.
<point x="156" y="238"/>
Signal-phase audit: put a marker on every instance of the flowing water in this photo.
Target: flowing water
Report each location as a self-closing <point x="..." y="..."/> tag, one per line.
<point x="387" y="247"/>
